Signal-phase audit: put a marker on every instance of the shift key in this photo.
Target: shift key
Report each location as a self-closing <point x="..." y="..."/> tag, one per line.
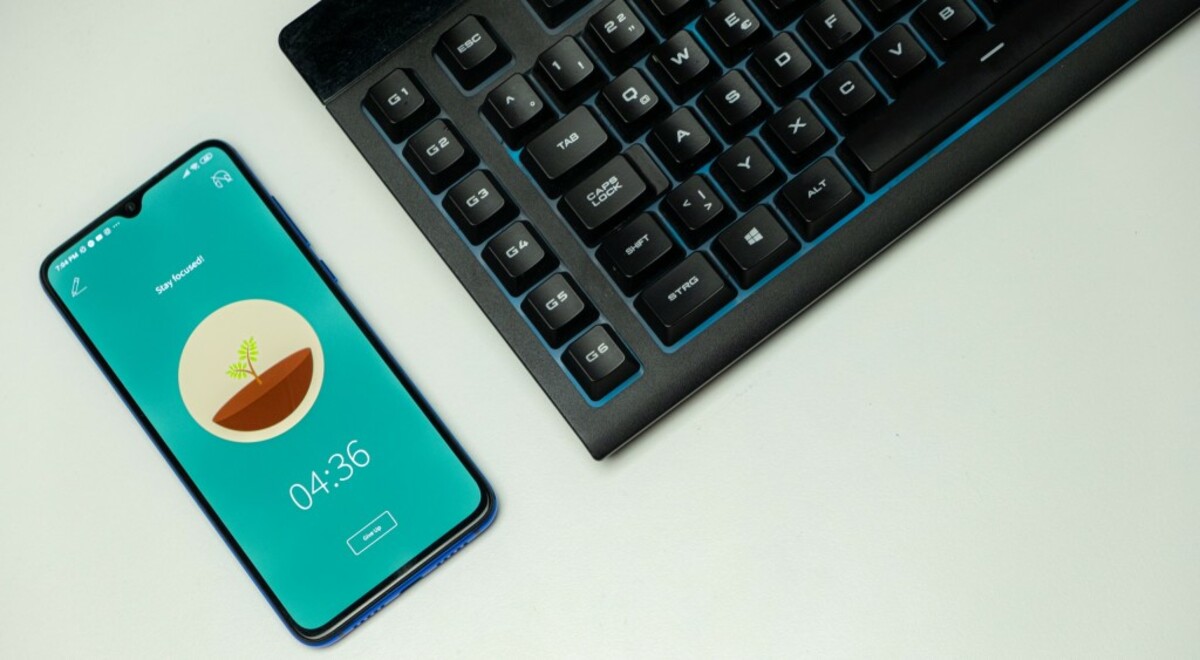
<point x="685" y="297"/>
<point x="559" y="154"/>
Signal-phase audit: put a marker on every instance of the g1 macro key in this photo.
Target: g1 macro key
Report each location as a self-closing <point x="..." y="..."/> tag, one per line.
<point x="400" y="105"/>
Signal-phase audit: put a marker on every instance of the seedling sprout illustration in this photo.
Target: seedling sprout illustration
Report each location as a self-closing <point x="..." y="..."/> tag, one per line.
<point x="244" y="367"/>
<point x="275" y="393"/>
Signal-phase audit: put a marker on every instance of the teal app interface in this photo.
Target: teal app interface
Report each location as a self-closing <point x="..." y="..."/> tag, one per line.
<point x="309" y="449"/>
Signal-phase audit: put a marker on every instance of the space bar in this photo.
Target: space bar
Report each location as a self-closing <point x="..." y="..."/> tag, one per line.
<point x="971" y="80"/>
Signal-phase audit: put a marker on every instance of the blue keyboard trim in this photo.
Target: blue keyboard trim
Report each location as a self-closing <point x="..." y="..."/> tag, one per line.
<point x="871" y="198"/>
<point x="770" y="202"/>
<point x="477" y="250"/>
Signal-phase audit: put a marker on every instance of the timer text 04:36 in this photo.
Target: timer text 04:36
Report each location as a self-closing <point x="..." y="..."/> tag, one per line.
<point x="342" y="467"/>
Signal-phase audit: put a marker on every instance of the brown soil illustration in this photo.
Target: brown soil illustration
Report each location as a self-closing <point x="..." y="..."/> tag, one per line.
<point x="271" y="396"/>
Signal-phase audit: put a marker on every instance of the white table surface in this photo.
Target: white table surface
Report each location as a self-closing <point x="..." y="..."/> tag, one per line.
<point x="986" y="443"/>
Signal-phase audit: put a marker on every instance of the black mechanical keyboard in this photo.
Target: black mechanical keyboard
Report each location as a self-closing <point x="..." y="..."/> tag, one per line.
<point x="638" y="192"/>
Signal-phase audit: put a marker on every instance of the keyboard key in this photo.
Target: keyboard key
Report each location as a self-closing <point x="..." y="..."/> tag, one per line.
<point x="632" y="103"/>
<point x="400" y="105"/>
<point x="733" y="105"/>
<point x="797" y="134"/>
<point x="847" y="94"/>
<point x="471" y="52"/>
<point x="754" y="246"/>
<point x="618" y="34"/>
<point x="885" y="12"/>
<point x="897" y="57"/>
<point x="516" y="110"/>
<point x="683" y="298"/>
<point x="518" y="257"/>
<point x="439" y="156"/>
<point x="747" y="173"/>
<point x="682" y="142"/>
<point x="682" y="66"/>
<point x="979" y="72"/>
<point x="612" y="193"/>
<point x="816" y="199"/>
<point x="696" y="210"/>
<point x="782" y="12"/>
<point x="558" y="310"/>
<point x="556" y="12"/>
<point x="599" y="362"/>
<point x="783" y="67"/>
<point x="655" y="179"/>
<point x="834" y="28"/>
<point x="671" y="14"/>
<point x="568" y="71"/>
<point x="945" y="22"/>
<point x="733" y="29"/>
<point x="478" y="206"/>
<point x="637" y="251"/>
<point x="574" y="142"/>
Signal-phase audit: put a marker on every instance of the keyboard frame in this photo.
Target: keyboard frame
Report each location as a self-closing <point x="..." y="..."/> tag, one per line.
<point x="667" y="379"/>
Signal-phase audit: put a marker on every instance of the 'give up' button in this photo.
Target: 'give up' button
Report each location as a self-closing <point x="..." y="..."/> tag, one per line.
<point x="366" y="537"/>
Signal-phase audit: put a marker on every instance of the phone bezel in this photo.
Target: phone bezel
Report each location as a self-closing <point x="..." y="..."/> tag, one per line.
<point x="404" y="576"/>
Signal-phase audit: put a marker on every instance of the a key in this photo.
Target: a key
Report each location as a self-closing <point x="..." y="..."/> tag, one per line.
<point x="569" y="146"/>
<point x="848" y="96"/>
<point x="980" y="71"/>
<point x="599" y="362"/>
<point x="612" y="193"/>
<point x="439" y="156"/>
<point x="897" y="57"/>
<point x="696" y="210"/>
<point x="400" y="105"/>
<point x="733" y="105"/>
<point x="479" y="206"/>
<point x="816" y="199"/>
<point x="472" y="52"/>
<point x="682" y="142"/>
<point x="835" y="28"/>
<point x="516" y="110"/>
<point x="797" y="134"/>
<point x="632" y="103"/>
<point x="686" y="296"/>
<point x="558" y="310"/>
<point x="568" y="71"/>
<point x="682" y="66"/>
<point x="636" y="251"/>
<point x="783" y="67"/>
<point x="747" y="173"/>
<point x="671" y="14"/>
<point x="618" y="34"/>
<point x="556" y="12"/>
<point x="946" y="22"/>
<point x="733" y="29"/>
<point x="754" y="246"/>
<point x="518" y="257"/>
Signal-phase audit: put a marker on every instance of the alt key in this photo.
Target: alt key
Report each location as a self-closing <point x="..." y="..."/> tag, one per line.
<point x="599" y="362"/>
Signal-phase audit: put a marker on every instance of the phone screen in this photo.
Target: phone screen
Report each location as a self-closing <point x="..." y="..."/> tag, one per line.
<point x="323" y="466"/>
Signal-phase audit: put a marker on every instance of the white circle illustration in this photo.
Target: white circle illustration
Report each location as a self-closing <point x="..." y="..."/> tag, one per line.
<point x="251" y="370"/>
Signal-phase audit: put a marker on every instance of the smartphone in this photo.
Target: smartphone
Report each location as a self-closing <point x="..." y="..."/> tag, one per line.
<point x="294" y="429"/>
